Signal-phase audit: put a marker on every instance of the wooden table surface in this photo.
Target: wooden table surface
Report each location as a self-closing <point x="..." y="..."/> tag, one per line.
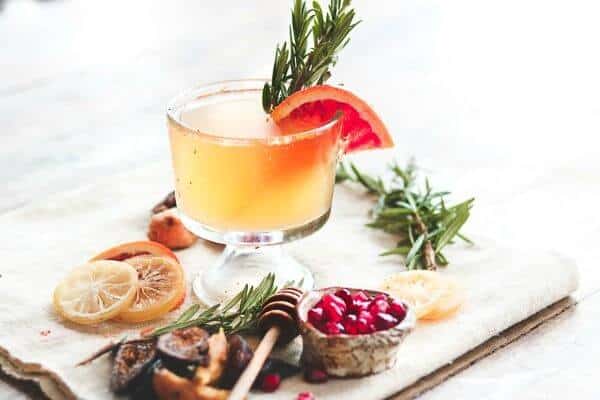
<point x="498" y="99"/>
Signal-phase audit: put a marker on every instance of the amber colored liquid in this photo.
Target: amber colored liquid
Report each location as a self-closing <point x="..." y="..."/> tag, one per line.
<point x="249" y="184"/>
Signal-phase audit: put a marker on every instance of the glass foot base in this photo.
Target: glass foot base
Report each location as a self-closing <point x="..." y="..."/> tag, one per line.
<point x="238" y="266"/>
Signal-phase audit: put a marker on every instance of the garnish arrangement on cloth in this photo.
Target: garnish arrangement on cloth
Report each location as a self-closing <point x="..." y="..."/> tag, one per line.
<point x="201" y="355"/>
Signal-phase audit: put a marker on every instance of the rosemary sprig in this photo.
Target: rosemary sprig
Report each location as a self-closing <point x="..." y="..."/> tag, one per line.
<point x="419" y="217"/>
<point x="240" y="314"/>
<point x="315" y="39"/>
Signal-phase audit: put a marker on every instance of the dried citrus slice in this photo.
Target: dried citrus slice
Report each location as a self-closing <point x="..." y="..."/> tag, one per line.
<point x="450" y="302"/>
<point x="433" y="295"/>
<point x="161" y="285"/>
<point x="96" y="291"/>
<point x="316" y="105"/>
<point x="132" y="249"/>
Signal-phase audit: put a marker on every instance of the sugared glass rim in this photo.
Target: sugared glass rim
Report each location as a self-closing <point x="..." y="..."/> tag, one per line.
<point x="239" y="86"/>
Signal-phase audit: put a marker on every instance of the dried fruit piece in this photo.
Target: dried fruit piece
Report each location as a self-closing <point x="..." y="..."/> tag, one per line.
<point x="238" y="358"/>
<point x="161" y="284"/>
<point x="433" y="295"/>
<point x="130" y="362"/>
<point x="167" y="203"/>
<point x="169" y="386"/>
<point x="96" y="292"/>
<point x="217" y="356"/>
<point x="128" y="250"/>
<point x="166" y="228"/>
<point x="189" y="345"/>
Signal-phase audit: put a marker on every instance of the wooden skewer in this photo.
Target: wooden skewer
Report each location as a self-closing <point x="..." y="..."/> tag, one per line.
<point x="243" y="385"/>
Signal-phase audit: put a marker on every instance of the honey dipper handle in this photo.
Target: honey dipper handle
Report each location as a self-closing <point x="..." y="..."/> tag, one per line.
<point x="243" y="385"/>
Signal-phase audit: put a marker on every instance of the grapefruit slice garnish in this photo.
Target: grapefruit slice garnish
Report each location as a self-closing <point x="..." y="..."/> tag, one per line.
<point x="312" y="107"/>
<point x="132" y="249"/>
<point x="96" y="292"/>
<point x="161" y="285"/>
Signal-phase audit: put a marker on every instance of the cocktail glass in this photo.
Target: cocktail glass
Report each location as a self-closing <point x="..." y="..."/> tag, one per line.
<point x="244" y="182"/>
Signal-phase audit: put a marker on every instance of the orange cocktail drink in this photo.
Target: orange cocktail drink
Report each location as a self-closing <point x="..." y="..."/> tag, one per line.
<point x="238" y="171"/>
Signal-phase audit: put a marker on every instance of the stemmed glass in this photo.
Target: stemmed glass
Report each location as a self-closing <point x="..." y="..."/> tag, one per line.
<point x="251" y="192"/>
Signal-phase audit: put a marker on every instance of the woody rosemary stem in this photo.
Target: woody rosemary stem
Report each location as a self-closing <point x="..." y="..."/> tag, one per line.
<point x="428" y="256"/>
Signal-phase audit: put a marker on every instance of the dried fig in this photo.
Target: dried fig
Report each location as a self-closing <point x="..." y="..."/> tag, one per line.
<point x="165" y="204"/>
<point x="238" y="357"/>
<point x="188" y="345"/>
<point x="166" y="228"/>
<point x="130" y="362"/>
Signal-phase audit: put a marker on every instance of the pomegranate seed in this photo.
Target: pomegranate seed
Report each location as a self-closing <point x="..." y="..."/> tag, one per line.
<point x="305" y="396"/>
<point x="270" y="382"/>
<point x="332" y="298"/>
<point x="333" y="328"/>
<point x="333" y="312"/>
<point x="397" y="309"/>
<point x="380" y="296"/>
<point x="315" y="316"/>
<point x="367" y="316"/>
<point x="360" y="295"/>
<point x="362" y="326"/>
<point x="349" y="323"/>
<point x="378" y="306"/>
<point x="384" y="321"/>
<point x="314" y="375"/>
<point x="345" y="295"/>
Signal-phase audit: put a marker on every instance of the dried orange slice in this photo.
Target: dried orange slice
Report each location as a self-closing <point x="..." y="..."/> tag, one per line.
<point x="317" y="105"/>
<point x="96" y="292"/>
<point x="161" y="285"/>
<point x="127" y="250"/>
<point x="433" y="295"/>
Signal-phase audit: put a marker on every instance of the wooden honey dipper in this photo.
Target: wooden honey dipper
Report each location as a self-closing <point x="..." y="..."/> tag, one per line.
<point x="278" y="320"/>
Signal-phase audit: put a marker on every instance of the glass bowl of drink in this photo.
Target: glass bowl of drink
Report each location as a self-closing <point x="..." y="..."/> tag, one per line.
<point x="248" y="183"/>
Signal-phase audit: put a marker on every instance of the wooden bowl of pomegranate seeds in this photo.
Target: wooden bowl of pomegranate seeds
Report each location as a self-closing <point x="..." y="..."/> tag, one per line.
<point x="352" y="332"/>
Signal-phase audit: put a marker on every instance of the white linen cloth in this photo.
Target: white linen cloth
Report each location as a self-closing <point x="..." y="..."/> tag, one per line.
<point x="43" y="241"/>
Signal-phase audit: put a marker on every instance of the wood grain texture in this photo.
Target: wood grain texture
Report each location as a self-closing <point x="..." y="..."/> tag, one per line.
<point x="499" y="99"/>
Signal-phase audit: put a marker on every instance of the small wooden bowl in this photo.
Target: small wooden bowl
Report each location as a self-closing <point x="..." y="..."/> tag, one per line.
<point x="349" y="355"/>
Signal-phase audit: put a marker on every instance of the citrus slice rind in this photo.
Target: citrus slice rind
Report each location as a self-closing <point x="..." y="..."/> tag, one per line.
<point x="96" y="292"/>
<point x="362" y="129"/>
<point x="432" y="295"/>
<point x="161" y="286"/>
<point x="131" y="249"/>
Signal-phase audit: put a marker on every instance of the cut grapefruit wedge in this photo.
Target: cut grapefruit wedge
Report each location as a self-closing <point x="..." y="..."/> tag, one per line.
<point x="312" y="107"/>
<point x="132" y="249"/>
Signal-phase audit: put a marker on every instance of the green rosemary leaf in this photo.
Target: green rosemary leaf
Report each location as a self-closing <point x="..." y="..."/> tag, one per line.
<point x="188" y="314"/>
<point x="402" y="250"/>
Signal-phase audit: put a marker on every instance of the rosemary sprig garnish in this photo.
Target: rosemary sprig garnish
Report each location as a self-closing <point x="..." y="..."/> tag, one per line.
<point x="240" y="314"/>
<point x="315" y="39"/>
<point x="419" y="217"/>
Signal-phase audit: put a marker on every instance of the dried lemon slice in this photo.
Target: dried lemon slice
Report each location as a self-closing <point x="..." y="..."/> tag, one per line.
<point x="161" y="285"/>
<point x="96" y="291"/>
<point x="433" y="295"/>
